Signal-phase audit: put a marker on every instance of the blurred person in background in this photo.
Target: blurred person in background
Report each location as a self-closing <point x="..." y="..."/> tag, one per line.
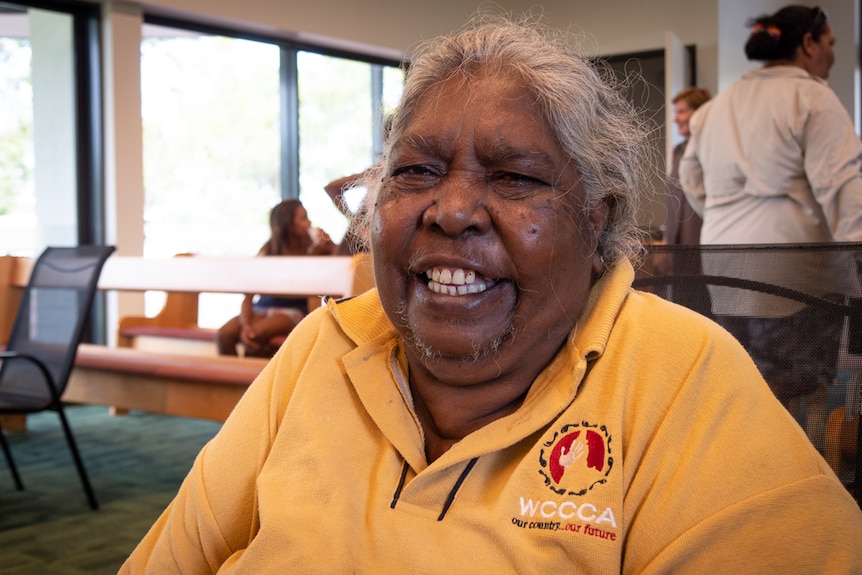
<point x="264" y="317"/>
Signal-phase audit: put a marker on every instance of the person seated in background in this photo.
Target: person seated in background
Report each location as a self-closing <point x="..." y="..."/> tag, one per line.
<point x="504" y="401"/>
<point x="264" y="317"/>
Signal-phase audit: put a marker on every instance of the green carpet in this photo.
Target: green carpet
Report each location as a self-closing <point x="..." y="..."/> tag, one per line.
<point x="135" y="462"/>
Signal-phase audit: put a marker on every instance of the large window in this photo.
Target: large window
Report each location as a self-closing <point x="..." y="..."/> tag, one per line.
<point x="17" y="187"/>
<point x="210" y="110"/>
<point x="233" y="125"/>
<point x="340" y="125"/>
<point x="48" y="170"/>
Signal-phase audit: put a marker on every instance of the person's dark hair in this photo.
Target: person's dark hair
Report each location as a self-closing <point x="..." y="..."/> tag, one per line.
<point x="281" y="219"/>
<point x="778" y="36"/>
<point x="595" y="126"/>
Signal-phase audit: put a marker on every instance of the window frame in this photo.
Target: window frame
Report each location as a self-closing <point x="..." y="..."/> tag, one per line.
<point x="89" y="153"/>
<point x="288" y="82"/>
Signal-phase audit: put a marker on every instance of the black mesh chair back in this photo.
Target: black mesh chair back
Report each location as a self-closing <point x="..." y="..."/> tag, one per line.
<point x="796" y="309"/>
<point x="48" y="327"/>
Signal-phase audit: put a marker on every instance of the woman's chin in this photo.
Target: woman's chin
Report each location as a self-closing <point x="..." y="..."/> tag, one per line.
<point x="471" y="348"/>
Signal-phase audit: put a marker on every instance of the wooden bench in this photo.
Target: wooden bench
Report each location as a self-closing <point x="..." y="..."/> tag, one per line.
<point x="173" y="384"/>
<point x="175" y="328"/>
<point x="176" y="383"/>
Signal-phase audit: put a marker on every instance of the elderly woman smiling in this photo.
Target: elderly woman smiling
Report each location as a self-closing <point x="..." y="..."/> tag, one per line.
<point x="504" y="401"/>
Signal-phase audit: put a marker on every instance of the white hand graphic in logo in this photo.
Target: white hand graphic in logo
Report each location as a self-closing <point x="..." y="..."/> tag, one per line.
<point x="575" y="452"/>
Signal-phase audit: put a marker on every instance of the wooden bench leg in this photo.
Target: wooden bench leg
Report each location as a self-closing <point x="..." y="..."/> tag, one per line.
<point x="17" y="422"/>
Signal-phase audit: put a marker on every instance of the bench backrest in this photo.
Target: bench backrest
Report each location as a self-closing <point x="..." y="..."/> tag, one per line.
<point x="297" y="276"/>
<point x="274" y="275"/>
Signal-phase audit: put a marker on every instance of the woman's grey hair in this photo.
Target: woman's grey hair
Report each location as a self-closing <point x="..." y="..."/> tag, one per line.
<point x="594" y="125"/>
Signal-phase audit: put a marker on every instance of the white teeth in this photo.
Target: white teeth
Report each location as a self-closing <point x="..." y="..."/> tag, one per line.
<point x="457" y="290"/>
<point x="454" y="282"/>
<point x="457" y="277"/>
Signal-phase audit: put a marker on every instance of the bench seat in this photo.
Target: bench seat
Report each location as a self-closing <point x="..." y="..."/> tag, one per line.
<point x="173" y="384"/>
<point x="170" y="332"/>
<point x="188" y="340"/>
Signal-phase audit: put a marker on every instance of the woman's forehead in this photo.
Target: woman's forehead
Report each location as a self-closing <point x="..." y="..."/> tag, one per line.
<point x="500" y="105"/>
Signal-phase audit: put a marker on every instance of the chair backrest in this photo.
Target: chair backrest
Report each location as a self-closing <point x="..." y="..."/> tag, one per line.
<point x="797" y="308"/>
<point x="51" y="318"/>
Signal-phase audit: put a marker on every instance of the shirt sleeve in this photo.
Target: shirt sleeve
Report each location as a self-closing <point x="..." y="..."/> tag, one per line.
<point x="214" y="515"/>
<point x="779" y="531"/>
<point x="833" y="166"/>
<point x="690" y="169"/>
<point x="727" y="481"/>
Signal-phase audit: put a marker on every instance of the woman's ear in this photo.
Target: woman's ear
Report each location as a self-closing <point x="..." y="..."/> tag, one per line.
<point x="598" y="222"/>
<point x="599" y="219"/>
<point x="808" y="45"/>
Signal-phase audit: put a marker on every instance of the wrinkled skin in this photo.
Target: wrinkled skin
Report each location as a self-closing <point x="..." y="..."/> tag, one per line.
<point x="478" y="186"/>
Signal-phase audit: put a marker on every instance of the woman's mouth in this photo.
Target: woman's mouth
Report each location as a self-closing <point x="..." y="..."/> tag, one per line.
<point x="456" y="281"/>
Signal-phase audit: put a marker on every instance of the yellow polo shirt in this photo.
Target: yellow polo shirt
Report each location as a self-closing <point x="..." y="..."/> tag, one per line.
<point x="649" y="445"/>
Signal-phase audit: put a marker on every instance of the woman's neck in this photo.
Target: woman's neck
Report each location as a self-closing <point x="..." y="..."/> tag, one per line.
<point x="785" y="62"/>
<point x="450" y="413"/>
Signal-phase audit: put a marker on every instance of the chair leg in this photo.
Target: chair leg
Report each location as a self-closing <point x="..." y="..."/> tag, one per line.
<point x="79" y="463"/>
<point x="11" y="462"/>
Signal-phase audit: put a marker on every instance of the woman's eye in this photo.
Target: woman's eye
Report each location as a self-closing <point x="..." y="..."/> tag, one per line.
<point x="517" y="178"/>
<point x="415" y="177"/>
<point x="414" y="171"/>
<point x="507" y="177"/>
<point x="515" y="184"/>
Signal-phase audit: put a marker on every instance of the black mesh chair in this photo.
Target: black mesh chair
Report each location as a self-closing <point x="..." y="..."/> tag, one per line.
<point x="49" y="325"/>
<point x="796" y="309"/>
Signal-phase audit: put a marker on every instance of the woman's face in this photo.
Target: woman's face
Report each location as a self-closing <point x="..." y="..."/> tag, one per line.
<point x="681" y="115"/>
<point x="822" y="54"/>
<point x="483" y="252"/>
<point x="301" y="223"/>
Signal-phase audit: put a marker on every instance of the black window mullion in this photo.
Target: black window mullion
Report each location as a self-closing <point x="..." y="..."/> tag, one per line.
<point x="88" y="104"/>
<point x="90" y="152"/>
<point x="289" y="123"/>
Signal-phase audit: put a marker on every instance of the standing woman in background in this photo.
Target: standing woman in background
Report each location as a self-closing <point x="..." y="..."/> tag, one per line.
<point x="682" y="226"/>
<point x="683" y="223"/>
<point x="264" y="317"/>
<point x="774" y="158"/>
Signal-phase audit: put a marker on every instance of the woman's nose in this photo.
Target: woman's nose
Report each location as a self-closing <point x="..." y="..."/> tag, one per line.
<point x="459" y="206"/>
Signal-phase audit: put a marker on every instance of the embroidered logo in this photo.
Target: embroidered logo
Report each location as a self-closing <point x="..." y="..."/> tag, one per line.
<point x="576" y="458"/>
